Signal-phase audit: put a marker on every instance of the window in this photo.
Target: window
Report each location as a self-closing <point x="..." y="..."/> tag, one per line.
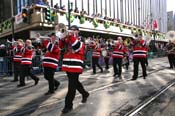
<point x="79" y="5"/>
<point x="91" y="5"/>
<point x="99" y="6"/>
<point x="85" y="5"/>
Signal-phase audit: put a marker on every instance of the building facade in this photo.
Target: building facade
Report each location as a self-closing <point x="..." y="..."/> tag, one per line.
<point x="134" y="12"/>
<point x="170" y="20"/>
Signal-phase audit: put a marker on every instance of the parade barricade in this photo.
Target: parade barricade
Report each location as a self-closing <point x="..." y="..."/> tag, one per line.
<point x="6" y="66"/>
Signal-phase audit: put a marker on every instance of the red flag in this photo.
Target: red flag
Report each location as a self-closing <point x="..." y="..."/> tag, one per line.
<point x="148" y="26"/>
<point x="155" y="25"/>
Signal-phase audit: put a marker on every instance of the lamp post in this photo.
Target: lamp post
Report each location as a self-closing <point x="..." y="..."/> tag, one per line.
<point x="154" y="36"/>
<point x="70" y="7"/>
<point x="12" y="20"/>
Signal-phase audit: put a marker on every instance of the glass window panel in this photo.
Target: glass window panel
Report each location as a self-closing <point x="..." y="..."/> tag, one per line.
<point x="85" y="5"/>
<point x="108" y="11"/>
<point x="79" y="5"/>
<point x="65" y="2"/>
<point x="55" y="2"/>
<point x="91" y="7"/>
<point x="99" y="6"/>
<point x="103" y="8"/>
<point x="119" y="10"/>
<point x="112" y="9"/>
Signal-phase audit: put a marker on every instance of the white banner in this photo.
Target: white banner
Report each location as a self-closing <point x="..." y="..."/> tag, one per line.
<point x="18" y="18"/>
<point x="40" y="34"/>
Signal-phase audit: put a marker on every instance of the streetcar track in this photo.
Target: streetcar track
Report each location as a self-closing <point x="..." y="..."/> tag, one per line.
<point x="33" y="106"/>
<point x="150" y="99"/>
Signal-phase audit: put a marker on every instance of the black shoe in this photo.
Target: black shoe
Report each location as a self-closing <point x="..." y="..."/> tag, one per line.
<point x="101" y="70"/>
<point x="36" y="81"/>
<point x="119" y="76"/>
<point x="114" y="75"/>
<point x="144" y="77"/>
<point x="85" y="98"/>
<point x="56" y="86"/>
<point x="66" y="110"/>
<point x="133" y="79"/>
<point x="49" y="93"/>
<point x="21" y="85"/>
<point x="93" y="73"/>
<point x="14" y="81"/>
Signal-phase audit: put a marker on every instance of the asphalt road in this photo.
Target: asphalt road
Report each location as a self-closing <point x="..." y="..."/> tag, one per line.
<point x="164" y="105"/>
<point x="108" y="96"/>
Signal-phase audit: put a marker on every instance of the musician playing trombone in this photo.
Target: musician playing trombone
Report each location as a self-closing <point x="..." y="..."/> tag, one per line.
<point x="26" y="63"/>
<point x="170" y="50"/>
<point x="50" y="62"/>
<point x="72" y="64"/>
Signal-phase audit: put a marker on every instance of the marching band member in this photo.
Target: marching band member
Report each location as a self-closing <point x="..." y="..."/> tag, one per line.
<point x="170" y="50"/>
<point x="16" y="48"/>
<point x="96" y="52"/>
<point x="26" y="63"/>
<point x="118" y="54"/>
<point x="73" y="65"/>
<point x="139" y="55"/>
<point x="106" y="54"/>
<point x="50" y="63"/>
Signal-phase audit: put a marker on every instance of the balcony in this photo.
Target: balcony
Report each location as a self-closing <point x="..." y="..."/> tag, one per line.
<point x="85" y="22"/>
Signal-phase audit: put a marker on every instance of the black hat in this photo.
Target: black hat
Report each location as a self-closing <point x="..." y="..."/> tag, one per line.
<point x="51" y="34"/>
<point x="75" y="26"/>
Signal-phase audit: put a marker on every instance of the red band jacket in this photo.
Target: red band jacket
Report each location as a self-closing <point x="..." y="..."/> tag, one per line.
<point x="74" y="57"/>
<point x="52" y="54"/>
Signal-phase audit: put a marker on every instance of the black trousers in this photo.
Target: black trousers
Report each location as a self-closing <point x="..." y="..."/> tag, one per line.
<point x="117" y="66"/>
<point x="106" y="62"/>
<point x="17" y="68"/>
<point x="136" y="66"/>
<point x="146" y="61"/>
<point x="26" y="71"/>
<point x="171" y="59"/>
<point x="49" y="76"/>
<point x="94" y="63"/>
<point x="73" y="85"/>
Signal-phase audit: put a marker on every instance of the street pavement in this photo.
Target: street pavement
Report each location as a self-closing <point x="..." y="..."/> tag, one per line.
<point x="109" y="96"/>
<point x="162" y="106"/>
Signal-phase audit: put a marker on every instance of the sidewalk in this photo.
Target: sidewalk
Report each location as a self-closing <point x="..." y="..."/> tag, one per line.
<point x="108" y="95"/>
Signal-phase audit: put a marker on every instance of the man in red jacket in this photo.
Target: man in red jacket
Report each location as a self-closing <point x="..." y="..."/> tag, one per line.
<point x="26" y="63"/>
<point x="16" y="48"/>
<point x="96" y="53"/>
<point x="118" y="55"/>
<point x="50" y="62"/>
<point x="139" y="56"/>
<point x="73" y="65"/>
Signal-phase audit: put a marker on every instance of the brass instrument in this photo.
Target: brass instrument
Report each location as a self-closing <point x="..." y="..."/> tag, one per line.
<point x="147" y="39"/>
<point x="170" y="48"/>
<point x="171" y="36"/>
<point x="61" y="31"/>
<point x="127" y="41"/>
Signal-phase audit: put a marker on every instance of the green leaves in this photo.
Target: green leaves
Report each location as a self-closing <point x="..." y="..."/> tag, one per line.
<point x="106" y="24"/>
<point x="72" y="17"/>
<point x="82" y="20"/>
<point x="95" y="23"/>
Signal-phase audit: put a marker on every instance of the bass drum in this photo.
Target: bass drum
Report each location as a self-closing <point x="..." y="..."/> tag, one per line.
<point x="104" y="53"/>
